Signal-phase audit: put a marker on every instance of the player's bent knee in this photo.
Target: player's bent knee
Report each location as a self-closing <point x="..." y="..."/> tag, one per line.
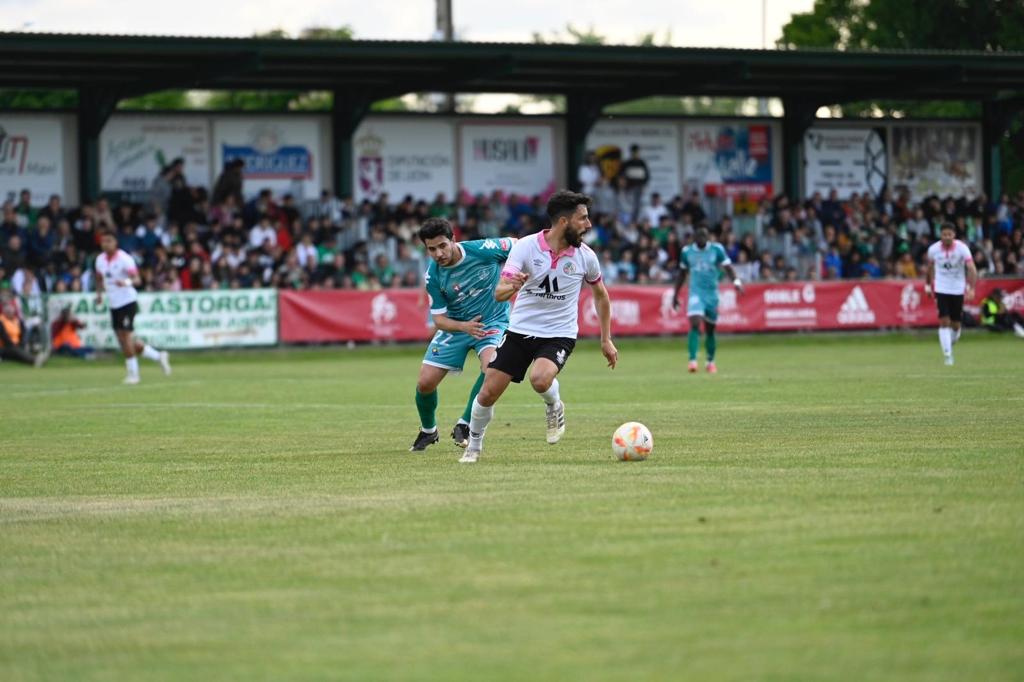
<point x="541" y="382"/>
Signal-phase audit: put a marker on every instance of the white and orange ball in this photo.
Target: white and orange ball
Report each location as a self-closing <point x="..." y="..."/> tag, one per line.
<point x="632" y="442"/>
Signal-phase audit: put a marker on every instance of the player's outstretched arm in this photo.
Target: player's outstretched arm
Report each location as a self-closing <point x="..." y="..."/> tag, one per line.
<point x="603" y="305"/>
<point x="680" y="283"/>
<point x="972" y="280"/>
<point x="509" y="285"/>
<point x="929" y="277"/>
<point x="473" y="327"/>
<point x="736" y="281"/>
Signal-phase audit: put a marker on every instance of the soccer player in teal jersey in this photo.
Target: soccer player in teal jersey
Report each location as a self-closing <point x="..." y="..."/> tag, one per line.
<point x="702" y="262"/>
<point x="460" y="282"/>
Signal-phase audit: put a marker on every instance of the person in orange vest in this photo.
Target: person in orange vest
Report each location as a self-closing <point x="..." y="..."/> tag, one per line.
<point x="64" y="338"/>
<point x="12" y="335"/>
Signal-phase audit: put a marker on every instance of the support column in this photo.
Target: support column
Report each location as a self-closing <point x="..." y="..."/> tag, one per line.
<point x="799" y="115"/>
<point x="996" y="119"/>
<point x="348" y="112"/>
<point x="581" y="113"/>
<point x="95" y="106"/>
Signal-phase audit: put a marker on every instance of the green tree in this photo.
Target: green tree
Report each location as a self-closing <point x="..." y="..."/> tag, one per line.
<point x="981" y="25"/>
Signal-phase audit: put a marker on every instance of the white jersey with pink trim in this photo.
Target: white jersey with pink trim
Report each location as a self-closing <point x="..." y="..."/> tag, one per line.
<point x="548" y="304"/>
<point x="115" y="272"/>
<point x="950" y="267"/>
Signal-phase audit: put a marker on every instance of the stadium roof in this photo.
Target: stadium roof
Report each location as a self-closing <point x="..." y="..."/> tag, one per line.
<point x="136" y="64"/>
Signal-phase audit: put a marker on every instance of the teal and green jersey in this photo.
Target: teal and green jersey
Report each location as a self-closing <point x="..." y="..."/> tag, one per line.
<point x="466" y="289"/>
<point x="705" y="267"/>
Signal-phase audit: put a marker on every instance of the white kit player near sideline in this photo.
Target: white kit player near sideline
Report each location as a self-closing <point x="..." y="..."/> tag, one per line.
<point x="547" y="270"/>
<point x="951" y="276"/>
<point x="117" y="275"/>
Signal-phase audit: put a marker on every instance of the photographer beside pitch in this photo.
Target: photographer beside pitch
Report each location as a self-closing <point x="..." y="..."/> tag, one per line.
<point x="547" y="271"/>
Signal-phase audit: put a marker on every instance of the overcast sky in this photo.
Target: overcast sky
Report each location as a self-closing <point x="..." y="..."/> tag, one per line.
<point x="703" y="23"/>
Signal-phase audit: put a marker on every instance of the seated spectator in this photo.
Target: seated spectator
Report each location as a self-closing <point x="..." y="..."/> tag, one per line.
<point x="262" y="234"/>
<point x="13" y="336"/>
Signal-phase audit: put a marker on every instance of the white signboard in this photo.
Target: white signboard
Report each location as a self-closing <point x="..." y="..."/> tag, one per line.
<point x="182" y="319"/>
<point x="659" y="148"/>
<point x="404" y="156"/>
<point x="133" y="150"/>
<point x="944" y="160"/>
<point x="845" y="159"/>
<point x="279" y="153"/>
<point x="513" y="158"/>
<point x="729" y="159"/>
<point x="31" y="157"/>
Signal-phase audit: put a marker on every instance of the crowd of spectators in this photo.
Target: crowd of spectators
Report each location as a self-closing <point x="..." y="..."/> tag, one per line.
<point x="189" y="238"/>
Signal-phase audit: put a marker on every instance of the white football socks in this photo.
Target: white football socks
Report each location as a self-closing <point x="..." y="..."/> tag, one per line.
<point x="551" y="396"/>
<point x="132" y="364"/>
<point x="150" y="353"/>
<point x="946" y="340"/>
<point x="956" y="335"/>
<point x="481" y="417"/>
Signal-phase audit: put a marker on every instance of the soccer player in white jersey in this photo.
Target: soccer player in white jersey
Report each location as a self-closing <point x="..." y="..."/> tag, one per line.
<point x="950" y="278"/>
<point x="117" y="275"/>
<point x="547" y="270"/>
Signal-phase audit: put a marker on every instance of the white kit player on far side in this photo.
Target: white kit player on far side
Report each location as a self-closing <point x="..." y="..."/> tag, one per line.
<point x="951" y="278"/>
<point x="547" y="271"/>
<point x="117" y="276"/>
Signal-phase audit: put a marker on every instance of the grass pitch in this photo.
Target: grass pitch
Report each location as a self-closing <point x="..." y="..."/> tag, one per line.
<point x="822" y="509"/>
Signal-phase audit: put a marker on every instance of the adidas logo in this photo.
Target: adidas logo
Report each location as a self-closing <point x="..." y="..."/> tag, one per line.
<point x="855" y="309"/>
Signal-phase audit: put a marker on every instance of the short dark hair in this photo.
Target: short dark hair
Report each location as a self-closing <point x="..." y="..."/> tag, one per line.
<point x="435" y="227"/>
<point x="563" y="202"/>
<point x="107" y="232"/>
<point x="948" y="226"/>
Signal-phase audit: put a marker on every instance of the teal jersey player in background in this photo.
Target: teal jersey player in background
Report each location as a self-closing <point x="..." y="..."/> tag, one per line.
<point x="460" y="284"/>
<point x="703" y="261"/>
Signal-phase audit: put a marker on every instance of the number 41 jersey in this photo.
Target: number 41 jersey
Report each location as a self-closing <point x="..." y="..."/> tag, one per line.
<point x="548" y="304"/>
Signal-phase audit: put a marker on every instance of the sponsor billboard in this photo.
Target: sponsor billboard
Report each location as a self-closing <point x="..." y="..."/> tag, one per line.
<point x="133" y="150"/>
<point x="728" y="159"/>
<point x="512" y="158"/>
<point x="404" y="156"/>
<point x="31" y="157"/>
<point x="849" y="160"/>
<point x="936" y="159"/>
<point x="182" y="319"/>
<point x="659" y="148"/>
<point x="279" y="153"/>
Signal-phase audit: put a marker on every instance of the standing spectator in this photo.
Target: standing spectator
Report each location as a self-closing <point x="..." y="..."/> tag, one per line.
<point x="26" y="215"/>
<point x="588" y="174"/>
<point x="229" y="183"/>
<point x="636" y="174"/>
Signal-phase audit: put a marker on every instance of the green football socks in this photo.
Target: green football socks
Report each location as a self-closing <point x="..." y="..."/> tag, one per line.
<point x="710" y="344"/>
<point x="693" y="342"/>
<point x="426" y="405"/>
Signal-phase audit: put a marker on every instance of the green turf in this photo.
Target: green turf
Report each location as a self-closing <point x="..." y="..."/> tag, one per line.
<point x="822" y="509"/>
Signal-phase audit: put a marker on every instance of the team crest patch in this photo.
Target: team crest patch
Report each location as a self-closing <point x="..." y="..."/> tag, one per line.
<point x="434" y="350"/>
<point x="560" y="357"/>
<point x="569" y="268"/>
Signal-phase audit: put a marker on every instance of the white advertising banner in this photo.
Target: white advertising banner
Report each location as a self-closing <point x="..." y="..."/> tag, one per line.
<point x="279" y="153"/>
<point x="513" y="158"/>
<point x="848" y="160"/>
<point x="133" y="150"/>
<point x="31" y="157"/>
<point x="182" y="319"/>
<point x="404" y="156"/>
<point x="659" y="148"/>
<point x="944" y="160"/>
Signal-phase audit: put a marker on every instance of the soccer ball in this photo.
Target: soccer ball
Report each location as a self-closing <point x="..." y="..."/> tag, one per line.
<point x="632" y="442"/>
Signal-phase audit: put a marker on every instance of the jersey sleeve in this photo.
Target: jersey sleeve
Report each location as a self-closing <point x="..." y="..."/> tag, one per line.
<point x="683" y="264"/>
<point x="130" y="266"/>
<point x="438" y="302"/>
<point x="593" y="266"/>
<point x="505" y="245"/>
<point x="966" y="251"/>
<point x="931" y="253"/>
<point x="516" y="260"/>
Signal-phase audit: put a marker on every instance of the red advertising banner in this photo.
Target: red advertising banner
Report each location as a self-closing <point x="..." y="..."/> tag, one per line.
<point x="401" y="314"/>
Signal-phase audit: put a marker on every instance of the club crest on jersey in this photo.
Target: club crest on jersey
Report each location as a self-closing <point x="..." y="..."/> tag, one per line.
<point x="569" y="268"/>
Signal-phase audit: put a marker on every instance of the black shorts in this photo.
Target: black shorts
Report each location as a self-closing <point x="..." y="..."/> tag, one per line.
<point x="516" y="352"/>
<point x="124" y="317"/>
<point x="950" y="305"/>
